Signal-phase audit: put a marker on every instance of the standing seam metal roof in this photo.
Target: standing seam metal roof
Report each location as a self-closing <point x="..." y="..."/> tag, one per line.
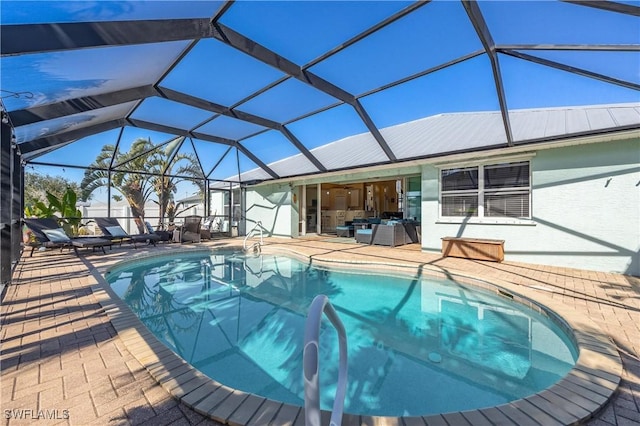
<point x="453" y="133"/>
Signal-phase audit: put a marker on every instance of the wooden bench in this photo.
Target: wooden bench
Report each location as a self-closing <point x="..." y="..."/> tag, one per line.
<point x="473" y="248"/>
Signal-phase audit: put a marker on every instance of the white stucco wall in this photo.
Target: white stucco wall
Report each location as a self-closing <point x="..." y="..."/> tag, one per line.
<point x="585" y="210"/>
<point x="264" y="202"/>
<point x="271" y="204"/>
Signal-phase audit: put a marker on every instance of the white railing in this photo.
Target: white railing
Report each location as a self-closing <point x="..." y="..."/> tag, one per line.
<point x="256" y="246"/>
<point x="250" y="270"/>
<point x="311" y="363"/>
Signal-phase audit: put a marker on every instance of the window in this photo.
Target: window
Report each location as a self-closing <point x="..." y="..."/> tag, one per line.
<point x="496" y="190"/>
<point x="460" y="192"/>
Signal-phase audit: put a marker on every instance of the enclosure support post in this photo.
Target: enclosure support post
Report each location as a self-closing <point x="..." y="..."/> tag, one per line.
<point x="9" y="220"/>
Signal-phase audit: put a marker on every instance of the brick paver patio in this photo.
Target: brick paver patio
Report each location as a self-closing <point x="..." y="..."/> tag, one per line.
<point x="64" y="363"/>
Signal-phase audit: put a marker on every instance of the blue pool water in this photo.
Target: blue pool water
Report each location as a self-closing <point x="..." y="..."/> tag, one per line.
<point x="417" y="346"/>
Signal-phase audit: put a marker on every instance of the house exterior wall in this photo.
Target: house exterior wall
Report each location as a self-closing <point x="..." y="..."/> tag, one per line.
<point x="585" y="208"/>
<point x="266" y="201"/>
<point x="272" y="205"/>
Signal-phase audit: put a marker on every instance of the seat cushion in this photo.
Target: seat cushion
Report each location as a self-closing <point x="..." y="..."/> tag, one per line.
<point x="364" y="231"/>
<point x="56" y="235"/>
<point x="116" y="231"/>
<point x="84" y="242"/>
<point x="344" y="231"/>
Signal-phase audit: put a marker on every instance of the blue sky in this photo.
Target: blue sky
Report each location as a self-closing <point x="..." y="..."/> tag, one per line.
<point x="301" y="32"/>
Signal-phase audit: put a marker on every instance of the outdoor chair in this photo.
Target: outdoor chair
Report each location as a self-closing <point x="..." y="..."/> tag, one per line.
<point x="190" y="230"/>
<point x="345" y="230"/>
<point x="363" y="236"/>
<point x="112" y="230"/>
<point x="205" y="230"/>
<point x="164" y="235"/>
<point x="48" y="233"/>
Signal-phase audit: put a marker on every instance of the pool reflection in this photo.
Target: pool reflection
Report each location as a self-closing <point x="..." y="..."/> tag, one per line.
<point x="416" y="346"/>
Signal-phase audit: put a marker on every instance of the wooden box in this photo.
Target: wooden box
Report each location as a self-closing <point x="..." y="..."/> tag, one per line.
<point x="473" y="248"/>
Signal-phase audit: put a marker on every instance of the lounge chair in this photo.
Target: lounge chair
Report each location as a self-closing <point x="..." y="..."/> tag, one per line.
<point x="190" y="229"/>
<point x="164" y="235"/>
<point x="111" y="229"/>
<point x="49" y="234"/>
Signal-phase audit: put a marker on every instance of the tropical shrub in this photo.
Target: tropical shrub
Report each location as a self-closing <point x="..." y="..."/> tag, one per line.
<point x="62" y="209"/>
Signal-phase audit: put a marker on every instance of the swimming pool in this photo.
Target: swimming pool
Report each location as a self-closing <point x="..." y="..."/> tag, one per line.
<point x="417" y="346"/>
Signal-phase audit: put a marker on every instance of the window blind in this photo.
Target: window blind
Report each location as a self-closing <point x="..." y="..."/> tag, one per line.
<point x="460" y="179"/>
<point x="503" y="204"/>
<point x="460" y="205"/>
<point x="506" y="175"/>
<point x="503" y="190"/>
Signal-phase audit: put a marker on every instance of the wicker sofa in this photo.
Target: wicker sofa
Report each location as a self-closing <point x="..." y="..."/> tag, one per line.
<point x="392" y="233"/>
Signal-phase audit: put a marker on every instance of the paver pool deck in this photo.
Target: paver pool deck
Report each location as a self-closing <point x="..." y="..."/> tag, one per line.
<point x="67" y="356"/>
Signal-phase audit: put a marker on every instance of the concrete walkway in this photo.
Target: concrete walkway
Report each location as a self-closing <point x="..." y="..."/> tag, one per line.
<point x="63" y="362"/>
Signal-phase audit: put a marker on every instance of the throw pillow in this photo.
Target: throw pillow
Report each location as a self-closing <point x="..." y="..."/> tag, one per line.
<point x="56" y="235"/>
<point x="149" y="228"/>
<point x="116" y="231"/>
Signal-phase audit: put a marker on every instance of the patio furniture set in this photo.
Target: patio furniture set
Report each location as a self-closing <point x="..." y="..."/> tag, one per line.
<point x="47" y="233"/>
<point x="381" y="232"/>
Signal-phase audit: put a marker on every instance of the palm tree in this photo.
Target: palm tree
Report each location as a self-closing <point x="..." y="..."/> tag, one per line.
<point x="135" y="187"/>
<point x="165" y="183"/>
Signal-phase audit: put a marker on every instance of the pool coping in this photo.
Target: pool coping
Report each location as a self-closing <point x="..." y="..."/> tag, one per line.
<point x="575" y="398"/>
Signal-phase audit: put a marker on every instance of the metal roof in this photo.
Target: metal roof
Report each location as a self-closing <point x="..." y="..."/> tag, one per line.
<point x="265" y="90"/>
<point x="452" y="133"/>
